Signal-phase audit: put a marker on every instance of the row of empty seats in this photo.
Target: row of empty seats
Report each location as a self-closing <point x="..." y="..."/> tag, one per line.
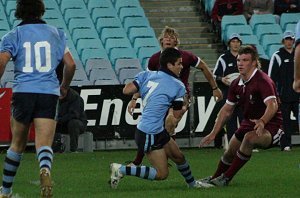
<point x="262" y="30"/>
<point x="96" y="29"/>
<point x="96" y="72"/>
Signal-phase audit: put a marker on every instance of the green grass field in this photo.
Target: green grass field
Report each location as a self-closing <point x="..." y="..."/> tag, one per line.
<point x="269" y="173"/>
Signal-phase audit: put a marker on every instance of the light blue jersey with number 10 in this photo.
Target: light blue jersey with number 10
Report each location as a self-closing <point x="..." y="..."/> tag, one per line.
<point x="158" y="90"/>
<point x="36" y="50"/>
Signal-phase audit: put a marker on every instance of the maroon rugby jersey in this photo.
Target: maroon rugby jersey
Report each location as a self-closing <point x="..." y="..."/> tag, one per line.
<point x="188" y="60"/>
<point x="250" y="96"/>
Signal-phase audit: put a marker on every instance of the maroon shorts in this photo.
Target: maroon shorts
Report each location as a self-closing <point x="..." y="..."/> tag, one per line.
<point x="274" y="128"/>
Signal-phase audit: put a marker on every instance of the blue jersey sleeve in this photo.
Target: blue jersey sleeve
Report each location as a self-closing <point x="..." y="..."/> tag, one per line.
<point x="9" y="43"/>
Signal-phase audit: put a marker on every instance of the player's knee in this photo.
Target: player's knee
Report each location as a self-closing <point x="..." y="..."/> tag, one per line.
<point x="162" y="175"/>
<point x="250" y="138"/>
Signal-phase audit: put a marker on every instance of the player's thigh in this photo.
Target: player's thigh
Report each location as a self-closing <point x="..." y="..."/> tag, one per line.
<point x="173" y="152"/>
<point x="159" y="161"/>
<point x="262" y="141"/>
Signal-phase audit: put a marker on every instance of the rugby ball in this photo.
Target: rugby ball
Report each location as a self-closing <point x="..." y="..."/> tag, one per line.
<point x="233" y="76"/>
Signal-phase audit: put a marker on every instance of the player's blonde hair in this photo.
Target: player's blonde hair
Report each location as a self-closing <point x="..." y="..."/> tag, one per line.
<point x="171" y="32"/>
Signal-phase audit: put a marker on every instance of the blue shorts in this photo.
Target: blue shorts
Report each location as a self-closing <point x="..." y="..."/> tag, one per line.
<point x="150" y="142"/>
<point x="27" y="106"/>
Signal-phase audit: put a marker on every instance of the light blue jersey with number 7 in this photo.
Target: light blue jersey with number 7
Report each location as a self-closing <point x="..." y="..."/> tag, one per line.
<point x="36" y="50"/>
<point x="158" y="90"/>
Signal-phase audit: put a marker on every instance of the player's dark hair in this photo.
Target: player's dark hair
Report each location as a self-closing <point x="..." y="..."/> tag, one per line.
<point x="169" y="55"/>
<point x="29" y="9"/>
<point x="249" y="49"/>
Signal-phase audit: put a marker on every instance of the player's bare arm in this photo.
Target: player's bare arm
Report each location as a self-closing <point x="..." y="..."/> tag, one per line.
<point x="224" y="114"/>
<point x="68" y="73"/>
<point x="132" y="103"/>
<point x="272" y="107"/>
<point x="217" y="93"/>
<point x="130" y="89"/>
<point x="4" y="58"/>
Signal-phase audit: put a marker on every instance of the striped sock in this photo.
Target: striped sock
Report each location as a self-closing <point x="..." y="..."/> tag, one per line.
<point x="144" y="172"/>
<point x="45" y="157"/>
<point x="11" y="164"/>
<point x="186" y="172"/>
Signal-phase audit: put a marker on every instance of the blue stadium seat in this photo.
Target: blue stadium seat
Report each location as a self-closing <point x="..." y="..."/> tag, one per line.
<point x="128" y="73"/>
<point x="52" y="14"/>
<point x="92" y="53"/>
<point x="263" y="30"/>
<point x="84" y="34"/>
<point x="76" y="23"/>
<point x="127" y="63"/>
<point x="4" y="26"/>
<point x="79" y="75"/>
<point x="103" y="13"/>
<point x="10" y="7"/>
<point x="270" y="40"/>
<point x="112" y="43"/>
<point x="108" y="23"/>
<point x="92" y="4"/>
<point x="51" y="5"/>
<point x="130" y="22"/>
<point x="71" y="4"/>
<point x="76" y="13"/>
<point x="126" y="4"/>
<point x="144" y="53"/>
<point x="102" y="74"/>
<point x="231" y="20"/>
<point x="145" y="42"/>
<point x="112" y="33"/>
<point x="143" y="32"/>
<point x="80" y="83"/>
<point x="121" y="53"/>
<point x="107" y="82"/>
<point x="273" y="48"/>
<point x="257" y="19"/>
<point x="249" y="40"/>
<point x="289" y="18"/>
<point x="240" y="29"/>
<point x="131" y="12"/>
<point x="96" y="63"/>
<point x="7" y="76"/>
<point x="88" y="44"/>
<point x="291" y="27"/>
<point x="209" y="4"/>
<point x="261" y="52"/>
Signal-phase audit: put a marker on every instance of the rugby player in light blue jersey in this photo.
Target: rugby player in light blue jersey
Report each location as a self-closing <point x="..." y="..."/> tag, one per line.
<point x="36" y="50"/>
<point x="159" y="91"/>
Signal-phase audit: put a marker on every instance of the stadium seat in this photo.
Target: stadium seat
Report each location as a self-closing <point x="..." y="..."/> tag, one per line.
<point x="79" y="75"/>
<point x="67" y="4"/>
<point x="76" y="23"/>
<point x="103" y="13"/>
<point x="270" y="40"/>
<point x="261" y="52"/>
<point x="76" y="13"/>
<point x="209" y="4"/>
<point x="88" y="43"/>
<point x="92" y="53"/>
<point x="121" y="53"/>
<point x="112" y="33"/>
<point x="127" y="63"/>
<point x="51" y="5"/>
<point x="7" y="76"/>
<point x="80" y="83"/>
<point x="126" y="4"/>
<point x="291" y="27"/>
<point x="273" y="48"/>
<point x="102" y="74"/>
<point x="130" y="22"/>
<point x="107" y="23"/>
<point x="257" y="19"/>
<point x="289" y="18"/>
<point x="9" y="7"/>
<point x="143" y="32"/>
<point x="131" y="12"/>
<point x="52" y="14"/>
<point x="128" y="73"/>
<point x="144" y="53"/>
<point x="267" y="30"/>
<point x="249" y="40"/>
<point x="240" y="29"/>
<point x="92" y="4"/>
<point x="145" y="42"/>
<point x="96" y="63"/>
<point x="107" y="82"/>
<point x="112" y="43"/>
<point x="231" y="20"/>
<point x="84" y="34"/>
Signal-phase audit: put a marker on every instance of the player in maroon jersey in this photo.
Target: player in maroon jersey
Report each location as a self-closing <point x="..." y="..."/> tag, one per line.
<point x="255" y="93"/>
<point x="169" y="38"/>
